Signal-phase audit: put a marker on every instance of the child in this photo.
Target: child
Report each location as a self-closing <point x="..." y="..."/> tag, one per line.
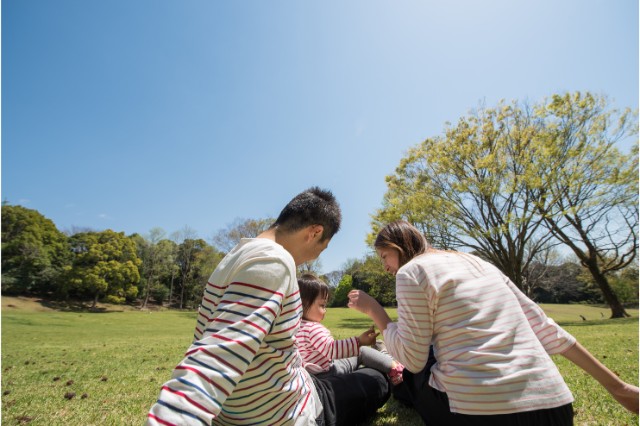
<point x="321" y="354"/>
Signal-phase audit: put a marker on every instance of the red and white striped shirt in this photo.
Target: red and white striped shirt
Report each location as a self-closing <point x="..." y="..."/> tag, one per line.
<point x="491" y="342"/>
<point x="318" y="348"/>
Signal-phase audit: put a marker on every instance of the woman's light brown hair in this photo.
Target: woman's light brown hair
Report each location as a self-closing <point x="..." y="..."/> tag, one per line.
<point x="403" y="237"/>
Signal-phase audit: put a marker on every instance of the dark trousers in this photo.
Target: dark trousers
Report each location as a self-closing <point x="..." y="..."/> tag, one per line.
<point x="433" y="406"/>
<point x="351" y="399"/>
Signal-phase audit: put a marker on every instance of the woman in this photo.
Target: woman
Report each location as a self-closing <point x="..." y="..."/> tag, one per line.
<point x="491" y="343"/>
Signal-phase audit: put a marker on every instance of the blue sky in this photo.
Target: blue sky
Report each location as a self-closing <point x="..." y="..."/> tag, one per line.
<point x="131" y="115"/>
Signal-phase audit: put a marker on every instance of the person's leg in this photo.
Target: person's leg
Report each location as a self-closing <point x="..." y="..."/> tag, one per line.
<point x="344" y="365"/>
<point x="354" y="398"/>
<point x="433" y="406"/>
<point x="558" y="416"/>
<point x="372" y="358"/>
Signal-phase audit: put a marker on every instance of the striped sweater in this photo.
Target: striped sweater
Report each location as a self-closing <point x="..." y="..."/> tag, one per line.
<point x="492" y="343"/>
<point x="243" y="366"/>
<point x="318" y="348"/>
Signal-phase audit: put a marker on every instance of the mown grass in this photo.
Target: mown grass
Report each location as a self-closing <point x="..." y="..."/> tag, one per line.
<point x="115" y="362"/>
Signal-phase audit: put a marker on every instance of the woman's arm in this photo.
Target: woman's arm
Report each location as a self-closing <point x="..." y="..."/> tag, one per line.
<point x="624" y="393"/>
<point x="362" y="302"/>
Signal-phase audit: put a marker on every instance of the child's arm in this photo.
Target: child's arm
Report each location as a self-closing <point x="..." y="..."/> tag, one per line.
<point x="368" y="338"/>
<point x="327" y="347"/>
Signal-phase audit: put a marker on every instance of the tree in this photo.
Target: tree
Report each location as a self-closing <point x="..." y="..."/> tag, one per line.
<point x="181" y="259"/>
<point x="341" y="292"/>
<point x="34" y="252"/>
<point x="590" y="190"/>
<point x="105" y="264"/>
<point x="470" y="189"/>
<point x="536" y="274"/>
<point x="561" y="283"/>
<point x="156" y="254"/>
<point x="369" y="275"/>
<point x="310" y="267"/>
<point x="226" y="239"/>
<point x="512" y="181"/>
<point x="333" y="278"/>
<point x="196" y="261"/>
<point x="625" y="284"/>
<point x="206" y="260"/>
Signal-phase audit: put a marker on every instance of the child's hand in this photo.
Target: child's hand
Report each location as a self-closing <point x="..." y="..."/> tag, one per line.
<point x="368" y="338"/>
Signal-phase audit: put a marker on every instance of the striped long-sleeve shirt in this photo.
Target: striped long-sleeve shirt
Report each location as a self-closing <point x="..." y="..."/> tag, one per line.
<point x="243" y="366"/>
<point x="318" y="348"/>
<point x="491" y="342"/>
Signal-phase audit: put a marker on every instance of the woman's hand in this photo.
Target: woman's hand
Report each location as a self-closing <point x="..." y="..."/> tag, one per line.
<point x="362" y="302"/>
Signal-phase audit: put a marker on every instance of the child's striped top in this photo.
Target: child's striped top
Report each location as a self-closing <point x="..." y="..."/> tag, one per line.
<point x="318" y="348"/>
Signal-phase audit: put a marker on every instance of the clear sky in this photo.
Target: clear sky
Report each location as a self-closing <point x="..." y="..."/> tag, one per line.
<point x="131" y="115"/>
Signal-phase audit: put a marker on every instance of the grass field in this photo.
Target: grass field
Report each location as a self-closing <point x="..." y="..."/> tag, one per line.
<point x="80" y="368"/>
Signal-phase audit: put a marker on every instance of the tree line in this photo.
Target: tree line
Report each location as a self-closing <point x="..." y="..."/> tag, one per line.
<point x="514" y="184"/>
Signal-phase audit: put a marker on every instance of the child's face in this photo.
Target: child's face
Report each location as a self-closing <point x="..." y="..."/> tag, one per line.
<point x="317" y="310"/>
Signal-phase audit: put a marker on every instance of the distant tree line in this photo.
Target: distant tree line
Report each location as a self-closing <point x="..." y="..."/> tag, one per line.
<point x="108" y="266"/>
<point x="38" y="259"/>
<point x="564" y="282"/>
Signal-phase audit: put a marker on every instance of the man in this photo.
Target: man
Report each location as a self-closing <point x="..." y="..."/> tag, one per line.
<point x="243" y="366"/>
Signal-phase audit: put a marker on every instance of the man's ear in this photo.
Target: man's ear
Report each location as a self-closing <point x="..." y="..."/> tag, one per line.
<point x="315" y="232"/>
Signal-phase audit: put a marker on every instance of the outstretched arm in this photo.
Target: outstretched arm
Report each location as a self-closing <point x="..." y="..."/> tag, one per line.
<point x="624" y="393"/>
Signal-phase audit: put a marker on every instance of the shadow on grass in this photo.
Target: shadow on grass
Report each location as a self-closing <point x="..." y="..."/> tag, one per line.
<point x="356" y="323"/>
<point x="608" y="321"/>
<point x="76" y="306"/>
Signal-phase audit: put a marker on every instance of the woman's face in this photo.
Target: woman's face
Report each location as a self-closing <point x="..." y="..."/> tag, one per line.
<point x="390" y="259"/>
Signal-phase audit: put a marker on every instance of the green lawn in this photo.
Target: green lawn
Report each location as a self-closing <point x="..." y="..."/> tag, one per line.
<point x="70" y="368"/>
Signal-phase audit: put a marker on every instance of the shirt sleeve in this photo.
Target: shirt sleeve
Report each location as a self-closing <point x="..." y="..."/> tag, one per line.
<point x="213" y="365"/>
<point x="408" y="339"/>
<point x="553" y="338"/>
<point x="323" y="342"/>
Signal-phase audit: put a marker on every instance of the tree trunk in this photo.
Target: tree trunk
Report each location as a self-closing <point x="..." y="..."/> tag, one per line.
<point x="617" y="310"/>
<point x="173" y="275"/>
<point x="95" y="300"/>
<point x="146" y="296"/>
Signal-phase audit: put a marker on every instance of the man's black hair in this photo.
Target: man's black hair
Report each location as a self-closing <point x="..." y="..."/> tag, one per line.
<point x="314" y="206"/>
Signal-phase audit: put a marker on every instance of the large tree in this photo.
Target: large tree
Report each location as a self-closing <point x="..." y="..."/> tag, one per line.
<point x="105" y="265"/>
<point x="590" y="197"/>
<point x="470" y="189"/>
<point x="34" y="251"/>
<point x="511" y="181"/>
